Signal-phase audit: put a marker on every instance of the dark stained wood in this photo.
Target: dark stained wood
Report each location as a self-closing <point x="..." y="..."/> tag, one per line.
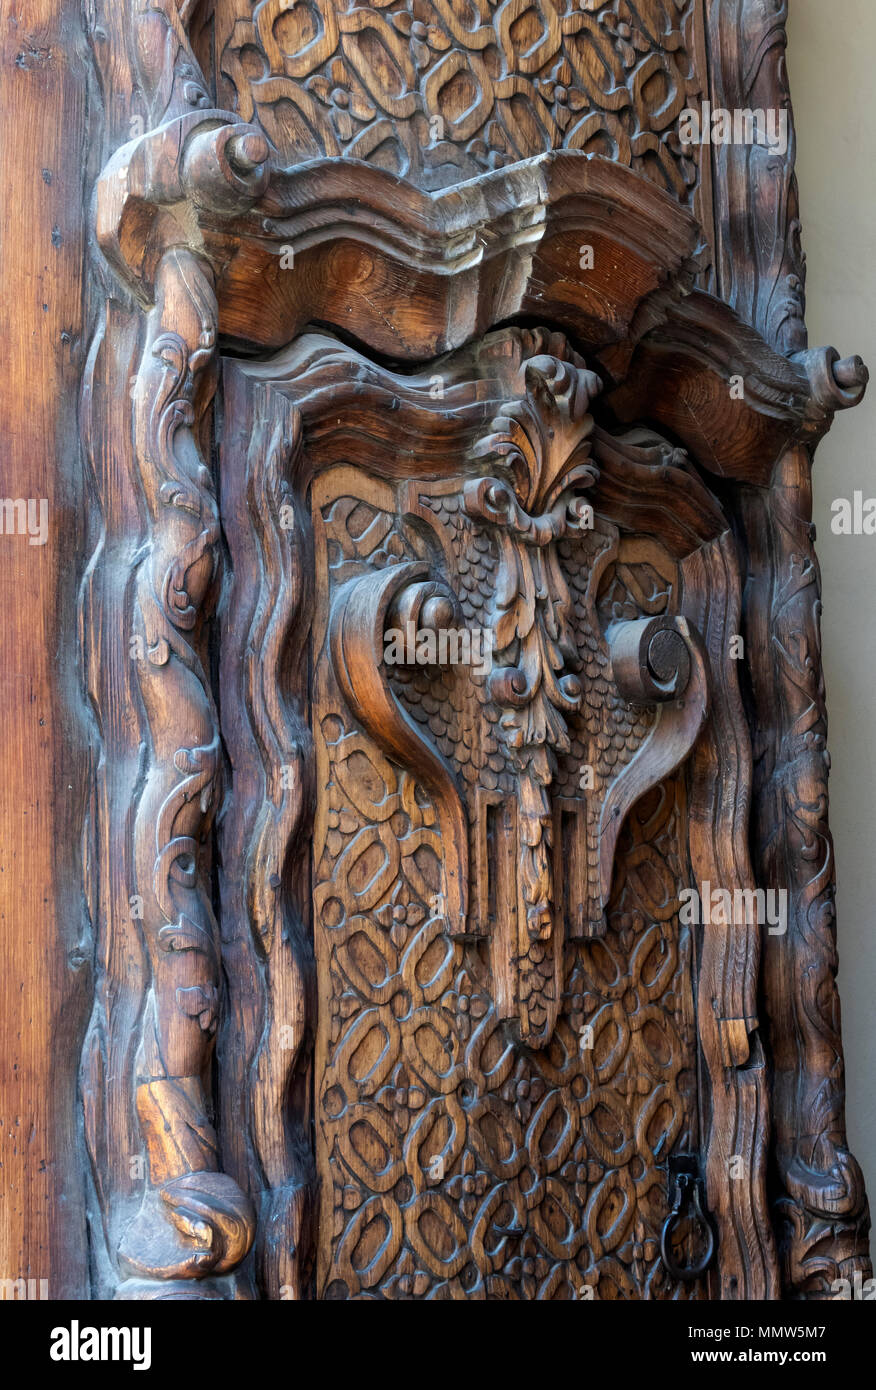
<point x="821" y="1210"/>
<point x="407" y="326"/>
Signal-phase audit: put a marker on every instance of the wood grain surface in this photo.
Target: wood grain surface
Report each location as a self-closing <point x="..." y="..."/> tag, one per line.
<point x="44" y="940"/>
<point x="330" y="974"/>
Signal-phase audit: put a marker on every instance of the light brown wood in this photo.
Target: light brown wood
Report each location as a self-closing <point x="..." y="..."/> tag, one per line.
<point x="45" y="941"/>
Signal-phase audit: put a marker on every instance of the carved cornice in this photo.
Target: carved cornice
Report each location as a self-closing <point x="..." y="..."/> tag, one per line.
<point x="508" y="243"/>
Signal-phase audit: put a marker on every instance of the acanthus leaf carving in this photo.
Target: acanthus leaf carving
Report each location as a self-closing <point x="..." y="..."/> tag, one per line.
<point x="524" y="490"/>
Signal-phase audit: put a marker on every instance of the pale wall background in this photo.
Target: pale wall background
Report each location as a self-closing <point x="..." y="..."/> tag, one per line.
<point x="832" y="46"/>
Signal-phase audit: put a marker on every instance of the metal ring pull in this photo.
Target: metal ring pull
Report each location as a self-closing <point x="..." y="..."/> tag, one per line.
<point x="687" y="1201"/>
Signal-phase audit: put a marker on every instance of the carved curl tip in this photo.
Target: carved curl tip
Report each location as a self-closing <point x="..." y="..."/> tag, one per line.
<point x="835" y="383"/>
<point x="224" y="168"/>
<point x="851" y="373"/>
<point x="651" y="658"/>
<point x="247" y="151"/>
<point x="210" y="1229"/>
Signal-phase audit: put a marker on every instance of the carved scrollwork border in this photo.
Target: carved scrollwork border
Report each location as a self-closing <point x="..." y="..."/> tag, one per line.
<point x="179" y="1223"/>
<point x="821" y="1210"/>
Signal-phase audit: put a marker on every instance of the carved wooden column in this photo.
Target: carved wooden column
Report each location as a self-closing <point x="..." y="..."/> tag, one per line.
<point x="822" y="1212"/>
<point x="192" y="1220"/>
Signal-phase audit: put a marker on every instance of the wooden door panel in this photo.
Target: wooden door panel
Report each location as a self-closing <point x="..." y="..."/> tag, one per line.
<point x="467" y="812"/>
<point x="459" y="1163"/>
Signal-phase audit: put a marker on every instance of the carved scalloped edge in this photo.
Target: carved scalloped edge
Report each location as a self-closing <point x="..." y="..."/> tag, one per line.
<point x="265" y="1047"/>
<point x="727" y="988"/>
<point x="549" y="189"/>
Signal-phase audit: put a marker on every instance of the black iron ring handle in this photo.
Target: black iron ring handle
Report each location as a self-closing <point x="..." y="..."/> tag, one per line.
<point x="684" y="1185"/>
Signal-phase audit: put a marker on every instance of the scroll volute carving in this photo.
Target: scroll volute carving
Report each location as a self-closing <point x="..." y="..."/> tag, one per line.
<point x="633" y="695"/>
<point x="359" y="620"/>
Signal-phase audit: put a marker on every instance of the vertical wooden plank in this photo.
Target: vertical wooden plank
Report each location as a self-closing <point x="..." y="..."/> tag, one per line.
<point x="45" y="981"/>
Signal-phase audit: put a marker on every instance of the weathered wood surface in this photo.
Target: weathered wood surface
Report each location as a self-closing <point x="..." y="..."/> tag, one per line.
<point x="376" y="901"/>
<point x="821" y="1211"/>
<point x="44" y="939"/>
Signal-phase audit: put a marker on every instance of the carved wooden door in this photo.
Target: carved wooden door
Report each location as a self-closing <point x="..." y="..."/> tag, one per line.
<point x="505" y="672"/>
<point x="450" y="638"/>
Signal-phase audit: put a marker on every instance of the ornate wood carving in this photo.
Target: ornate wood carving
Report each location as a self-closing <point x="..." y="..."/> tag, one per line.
<point x="448" y="937"/>
<point x="640" y="485"/>
<point x="421" y="1138"/>
<point x="821" y="1212"/>
<point x="440" y="92"/>
<point x="537" y="455"/>
<point x="191" y="1221"/>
